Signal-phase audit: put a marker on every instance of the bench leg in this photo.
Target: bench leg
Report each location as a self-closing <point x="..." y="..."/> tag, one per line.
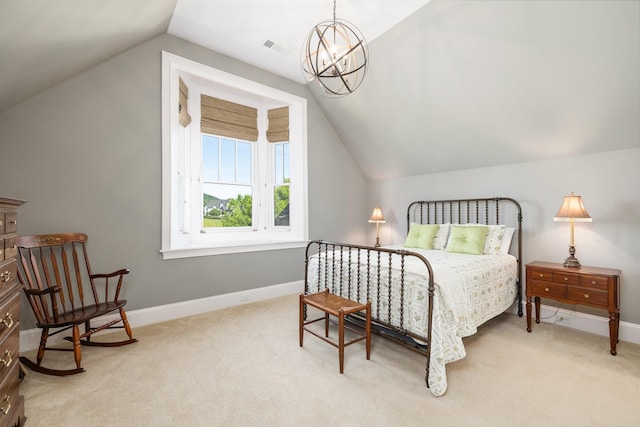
<point x="341" y="339"/>
<point x="301" y="318"/>
<point x="368" y="330"/>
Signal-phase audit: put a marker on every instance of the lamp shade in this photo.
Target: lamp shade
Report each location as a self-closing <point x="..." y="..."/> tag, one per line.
<point x="572" y="209"/>
<point x="377" y="216"/>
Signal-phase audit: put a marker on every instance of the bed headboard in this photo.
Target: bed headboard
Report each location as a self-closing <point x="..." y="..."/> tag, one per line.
<point x="489" y="211"/>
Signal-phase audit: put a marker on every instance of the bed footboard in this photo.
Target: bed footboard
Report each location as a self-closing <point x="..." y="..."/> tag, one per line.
<point x="378" y="275"/>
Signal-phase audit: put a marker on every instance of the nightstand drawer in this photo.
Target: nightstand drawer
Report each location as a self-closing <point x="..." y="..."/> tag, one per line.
<point x="597" y="282"/>
<point x="588" y="296"/>
<point x="550" y="289"/>
<point x="545" y="275"/>
<point x="568" y="279"/>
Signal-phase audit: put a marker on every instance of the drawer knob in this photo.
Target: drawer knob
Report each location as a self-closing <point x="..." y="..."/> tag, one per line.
<point x="593" y="282"/>
<point x="541" y="275"/>
<point x="566" y="278"/>
<point x="7" y="321"/>
<point x="546" y="289"/>
<point x="7" y="359"/>
<point x="5" y="401"/>
<point x="14" y="222"/>
<point x="6" y="276"/>
<point x="586" y="296"/>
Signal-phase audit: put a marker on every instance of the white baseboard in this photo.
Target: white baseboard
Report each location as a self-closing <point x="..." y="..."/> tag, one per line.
<point x="599" y="325"/>
<point x="30" y="339"/>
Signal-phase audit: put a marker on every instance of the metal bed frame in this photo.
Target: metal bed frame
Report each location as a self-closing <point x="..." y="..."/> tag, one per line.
<point x="481" y="210"/>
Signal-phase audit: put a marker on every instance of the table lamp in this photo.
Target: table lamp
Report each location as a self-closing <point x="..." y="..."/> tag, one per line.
<point x="377" y="218"/>
<point x="572" y="210"/>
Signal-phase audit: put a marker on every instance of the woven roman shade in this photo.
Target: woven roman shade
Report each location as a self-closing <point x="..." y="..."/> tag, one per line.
<point x="278" y="125"/>
<point x="225" y="118"/>
<point x="183" y="113"/>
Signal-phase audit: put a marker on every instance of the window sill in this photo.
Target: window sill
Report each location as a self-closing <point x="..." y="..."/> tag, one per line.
<point x="191" y="252"/>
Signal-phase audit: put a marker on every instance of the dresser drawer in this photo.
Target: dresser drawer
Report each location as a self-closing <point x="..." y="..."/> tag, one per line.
<point x="2" y="223"/>
<point x="9" y="399"/>
<point x="9" y="315"/>
<point x="9" y="351"/>
<point x="10" y="247"/>
<point x="8" y="272"/>
<point x="10" y="222"/>
<point x="551" y="289"/>
<point x="588" y="296"/>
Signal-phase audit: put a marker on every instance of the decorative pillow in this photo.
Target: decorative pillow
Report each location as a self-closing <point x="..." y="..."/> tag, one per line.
<point x="440" y="241"/>
<point x="467" y="240"/>
<point x="493" y="240"/>
<point x="421" y="236"/>
<point x="494" y="237"/>
<point x="505" y="244"/>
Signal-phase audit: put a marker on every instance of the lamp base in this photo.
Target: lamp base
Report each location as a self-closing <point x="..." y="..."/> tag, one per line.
<point x="571" y="261"/>
<point x="377" y="245"/>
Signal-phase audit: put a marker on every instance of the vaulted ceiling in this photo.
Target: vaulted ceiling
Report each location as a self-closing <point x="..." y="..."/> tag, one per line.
<point x="451" y="84"/>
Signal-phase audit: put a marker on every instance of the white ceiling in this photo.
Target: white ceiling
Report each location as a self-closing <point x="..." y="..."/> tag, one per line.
<point x="228" y="28"/>
<point x="44" y="42"/>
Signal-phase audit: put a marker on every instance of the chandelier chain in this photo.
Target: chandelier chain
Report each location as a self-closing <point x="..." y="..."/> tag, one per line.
<point x="334" y="12"/>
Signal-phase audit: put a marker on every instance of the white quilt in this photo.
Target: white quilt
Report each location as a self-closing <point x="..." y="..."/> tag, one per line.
<point x="469" y="290"/>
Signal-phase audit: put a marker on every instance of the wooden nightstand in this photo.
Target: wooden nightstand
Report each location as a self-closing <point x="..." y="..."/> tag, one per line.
<point x="592" y="286"/>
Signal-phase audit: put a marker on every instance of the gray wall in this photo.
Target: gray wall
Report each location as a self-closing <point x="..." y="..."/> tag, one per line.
<point x="86" y="156"/>
<point x="609" y="184"/>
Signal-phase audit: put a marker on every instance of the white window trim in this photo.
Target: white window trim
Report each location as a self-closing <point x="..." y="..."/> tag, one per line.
<point x="172" y="245"/>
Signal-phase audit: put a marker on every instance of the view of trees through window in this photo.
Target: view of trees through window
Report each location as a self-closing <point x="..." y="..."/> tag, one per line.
<point x="227" y="194"/>
<point x="237" y="212"/>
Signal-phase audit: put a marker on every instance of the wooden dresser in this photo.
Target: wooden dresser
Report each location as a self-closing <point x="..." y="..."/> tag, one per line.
<point x="11" y="402"/>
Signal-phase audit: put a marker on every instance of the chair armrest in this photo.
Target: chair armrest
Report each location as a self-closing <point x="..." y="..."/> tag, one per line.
<point x="38" y="292"/>
<point x="120" y="272"/>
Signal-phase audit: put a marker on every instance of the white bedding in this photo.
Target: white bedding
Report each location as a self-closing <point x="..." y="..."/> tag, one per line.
<point x="470" y="289"/>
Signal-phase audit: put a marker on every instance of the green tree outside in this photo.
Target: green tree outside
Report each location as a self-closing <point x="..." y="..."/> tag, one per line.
<point x="239" y="212"/>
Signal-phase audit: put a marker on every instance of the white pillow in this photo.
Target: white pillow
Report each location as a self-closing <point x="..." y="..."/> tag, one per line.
<point x="440" y="241"/>
<point x="494" y="240"/>
<point x="506" y="240"/>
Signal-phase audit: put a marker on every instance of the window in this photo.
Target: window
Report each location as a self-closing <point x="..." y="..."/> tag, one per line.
<point x="234" y="174"/>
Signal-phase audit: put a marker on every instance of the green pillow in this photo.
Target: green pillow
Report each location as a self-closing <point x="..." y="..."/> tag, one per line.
<point x="421" y="236"/>
<point x="467" y="240"/>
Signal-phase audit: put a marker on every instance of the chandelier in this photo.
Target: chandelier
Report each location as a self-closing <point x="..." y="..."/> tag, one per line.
<point x="334" y="57"/>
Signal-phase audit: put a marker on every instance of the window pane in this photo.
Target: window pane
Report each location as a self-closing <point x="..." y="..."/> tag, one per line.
<point x="278" y="163"/>
<point x="285" y="161"/>
<point x="226" y="205"/>
<point x="228" y="160"/>
<point x="244" y="162"/>
<point x="281" y="163"/>
<point x="281" y="205"/>
<point x="210" y="157"/>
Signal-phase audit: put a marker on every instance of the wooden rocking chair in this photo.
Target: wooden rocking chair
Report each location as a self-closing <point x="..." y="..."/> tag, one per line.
<point x="63" y="292"/>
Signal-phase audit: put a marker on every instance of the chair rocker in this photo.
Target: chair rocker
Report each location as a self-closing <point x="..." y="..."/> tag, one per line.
<point x="63" y="292"/>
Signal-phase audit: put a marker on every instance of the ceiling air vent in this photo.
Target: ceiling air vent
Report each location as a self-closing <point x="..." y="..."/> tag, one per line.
<point x="270" y="44"/>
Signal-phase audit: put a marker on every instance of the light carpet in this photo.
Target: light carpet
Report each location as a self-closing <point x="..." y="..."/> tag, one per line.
<point x="242" y="366"/>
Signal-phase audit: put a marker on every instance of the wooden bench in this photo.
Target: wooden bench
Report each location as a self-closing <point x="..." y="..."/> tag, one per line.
<point x="339" y="307"/>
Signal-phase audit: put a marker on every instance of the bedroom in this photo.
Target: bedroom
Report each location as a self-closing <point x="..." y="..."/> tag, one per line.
<point x="567" y="121"/>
